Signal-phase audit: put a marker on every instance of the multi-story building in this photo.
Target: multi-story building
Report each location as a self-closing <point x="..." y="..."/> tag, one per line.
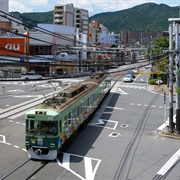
<point x="143" y="38"/>
<point x="95" y="28"/>
<point x="99" y="34"/>
<point x="8" y="22"/>
<point x="109" y="38"/>
<point x="68" y="15"/>
<point x="4" y="6"/>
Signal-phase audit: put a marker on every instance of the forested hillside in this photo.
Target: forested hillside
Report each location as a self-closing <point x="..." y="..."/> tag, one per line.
<point x="149" y="16"/>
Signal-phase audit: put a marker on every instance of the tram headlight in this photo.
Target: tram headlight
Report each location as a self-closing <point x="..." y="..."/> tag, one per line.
<point x="27" y="143"/>
<point x="52" y="145"/>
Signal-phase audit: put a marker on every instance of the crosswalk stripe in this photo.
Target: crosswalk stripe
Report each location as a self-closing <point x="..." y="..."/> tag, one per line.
<point x="132" y="86"/>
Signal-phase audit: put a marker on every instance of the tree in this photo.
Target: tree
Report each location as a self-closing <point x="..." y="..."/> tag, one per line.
<point x="160" y="44"/>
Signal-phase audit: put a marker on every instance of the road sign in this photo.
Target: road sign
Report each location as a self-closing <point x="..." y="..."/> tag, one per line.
<point x="21" y="59"/>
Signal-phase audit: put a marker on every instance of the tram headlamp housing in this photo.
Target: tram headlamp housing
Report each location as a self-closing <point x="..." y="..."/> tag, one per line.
<point x="52" y="145"/>
<point x="27" y="143"/>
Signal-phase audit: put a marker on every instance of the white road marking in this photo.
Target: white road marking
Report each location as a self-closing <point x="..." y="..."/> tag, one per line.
<point x="112" y="134"/>
<point x="169" y="163"/>
<point x="66" y="160"/>
<point x="133" y="86"/>
<point x="100" y="122"/>
<point x="121" y="91"/>
<point x="88" y="168"/>
<point x="9" y="144"/>
<point x="17" y="115"/>
<point x="164" y="125"/>
<point x="89" y="171"/>
<point x="114" y="122"/>
<point x="16" y="90"/>
<point x="3" y="139"/>
<point x="28" y="96"/>
<point x="114" y="108"/>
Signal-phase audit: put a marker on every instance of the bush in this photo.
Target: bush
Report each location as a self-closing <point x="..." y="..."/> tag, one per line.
<point x="152" y="81"/>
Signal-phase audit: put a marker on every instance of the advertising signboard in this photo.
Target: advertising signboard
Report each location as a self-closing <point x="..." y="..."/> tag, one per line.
<point x="12" y="46"/>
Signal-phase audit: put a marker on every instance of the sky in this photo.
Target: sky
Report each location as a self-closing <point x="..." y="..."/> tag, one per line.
<point x="93" y="6"/>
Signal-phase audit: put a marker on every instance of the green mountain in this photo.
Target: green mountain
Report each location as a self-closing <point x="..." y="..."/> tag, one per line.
<point x="149" y="16"/>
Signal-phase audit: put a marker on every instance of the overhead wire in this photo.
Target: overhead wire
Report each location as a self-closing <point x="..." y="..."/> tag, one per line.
<point x="49" y="33"/>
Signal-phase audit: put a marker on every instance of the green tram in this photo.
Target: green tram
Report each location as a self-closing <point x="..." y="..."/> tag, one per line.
<point x="51" y="125"/>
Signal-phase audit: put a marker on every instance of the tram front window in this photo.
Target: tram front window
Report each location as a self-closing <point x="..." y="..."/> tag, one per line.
<point x="42" y="127"/>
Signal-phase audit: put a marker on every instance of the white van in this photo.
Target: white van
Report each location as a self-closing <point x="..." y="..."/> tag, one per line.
<point x="31" y="76"/>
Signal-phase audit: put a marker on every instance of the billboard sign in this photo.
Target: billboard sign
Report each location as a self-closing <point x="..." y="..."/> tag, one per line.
<point x="12" y="46"/>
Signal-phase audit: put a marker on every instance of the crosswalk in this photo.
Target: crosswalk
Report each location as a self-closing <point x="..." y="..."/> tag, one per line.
<point x="133" y="86"/>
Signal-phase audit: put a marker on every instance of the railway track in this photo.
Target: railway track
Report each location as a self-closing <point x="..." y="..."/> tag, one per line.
<point x="26" y="170"/>
<point x="11" y="111"/>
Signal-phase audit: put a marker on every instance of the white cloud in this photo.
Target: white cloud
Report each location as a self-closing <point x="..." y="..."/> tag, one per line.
<point x="27" y="6"/>
<point x="93" y="6"/>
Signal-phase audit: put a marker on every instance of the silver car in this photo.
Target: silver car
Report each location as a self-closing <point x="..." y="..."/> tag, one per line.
<point x="128" y="78"/>
<point x="31" y="76"/>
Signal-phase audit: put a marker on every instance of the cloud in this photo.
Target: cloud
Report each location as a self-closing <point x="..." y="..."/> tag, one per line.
<point x="93" y="6"/>
<point x="27" y="6"/>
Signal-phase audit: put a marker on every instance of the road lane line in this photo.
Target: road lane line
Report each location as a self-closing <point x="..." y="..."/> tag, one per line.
<point x="169" y="163"/>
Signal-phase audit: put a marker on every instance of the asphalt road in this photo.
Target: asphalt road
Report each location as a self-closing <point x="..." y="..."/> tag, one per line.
<point x="120" y="142"/>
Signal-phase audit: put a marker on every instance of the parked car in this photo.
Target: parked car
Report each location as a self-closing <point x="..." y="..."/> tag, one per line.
<point x="31" y="76"/>
<point x="132" y="73"/>
<point x="128" y="78"/>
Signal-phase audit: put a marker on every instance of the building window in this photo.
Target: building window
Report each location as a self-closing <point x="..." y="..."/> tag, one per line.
<point x="59" y="7"/>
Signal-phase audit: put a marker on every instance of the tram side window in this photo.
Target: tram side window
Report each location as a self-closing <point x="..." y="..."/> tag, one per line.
<point x="74" y="113"/>
<point x="91" y="100"/>
<point x="60" y="126"/>
<point x="78" y="111"/>
<point x="64" y="124"/>
<point x="69" y="118"/>
<point x="81" y="108"/>
<point x="87" y="102"/>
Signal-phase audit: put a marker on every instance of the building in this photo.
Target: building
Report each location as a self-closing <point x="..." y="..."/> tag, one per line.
<point x="4" y="6"/>
<point x="68" y="15"/>
<point x="8" y="23"/>
<point x="141" y="38"/>
<point x="94" y="29"/>
<point x="109" y="38"/>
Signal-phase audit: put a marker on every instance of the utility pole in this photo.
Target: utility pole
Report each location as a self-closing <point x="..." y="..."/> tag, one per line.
<point x="175" y="22"/>
<point x="177" y="79"/>
<point x="171" y="124"/>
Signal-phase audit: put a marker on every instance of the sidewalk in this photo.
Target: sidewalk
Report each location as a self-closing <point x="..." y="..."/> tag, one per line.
<point x="161" y="89"/>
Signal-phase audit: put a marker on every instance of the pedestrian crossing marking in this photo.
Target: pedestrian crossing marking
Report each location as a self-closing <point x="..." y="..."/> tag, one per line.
<point x="90" y="172"/>
<point x="133" y="86"/>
